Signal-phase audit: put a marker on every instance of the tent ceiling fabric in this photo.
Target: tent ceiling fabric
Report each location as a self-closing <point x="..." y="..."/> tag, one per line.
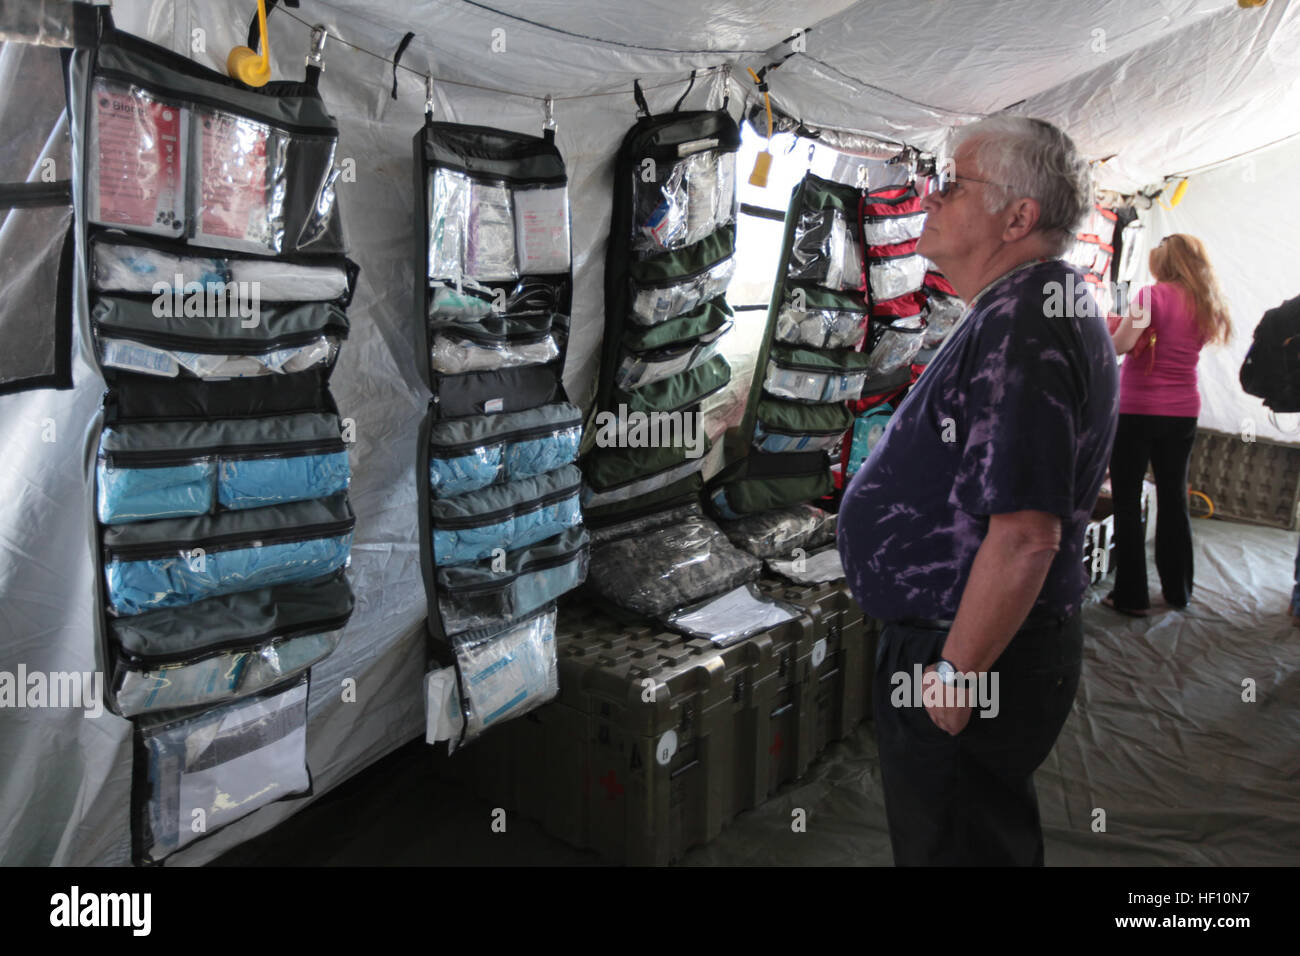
<point x="1164" y="86"/>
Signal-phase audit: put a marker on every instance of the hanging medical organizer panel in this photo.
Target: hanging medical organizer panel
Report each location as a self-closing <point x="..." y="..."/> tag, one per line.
<point x="213" y="257"/>
<point x="670" y="257"/>
<point x="500" y="515"/>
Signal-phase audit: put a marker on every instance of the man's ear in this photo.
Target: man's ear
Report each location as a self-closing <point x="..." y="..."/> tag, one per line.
<point x="1021" y="219"/>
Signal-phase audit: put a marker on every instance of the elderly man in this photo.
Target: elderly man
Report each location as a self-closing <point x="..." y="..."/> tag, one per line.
<point x="963" y="531"/>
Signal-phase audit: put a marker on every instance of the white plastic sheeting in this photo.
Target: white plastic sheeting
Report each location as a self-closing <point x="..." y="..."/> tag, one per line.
<point x="1167" y="87"/>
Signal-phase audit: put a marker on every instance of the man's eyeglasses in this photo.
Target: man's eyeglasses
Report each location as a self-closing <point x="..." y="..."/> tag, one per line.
<point x="949" y="182"/>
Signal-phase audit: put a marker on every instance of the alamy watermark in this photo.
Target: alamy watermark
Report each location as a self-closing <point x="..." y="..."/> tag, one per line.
<point x="83" y="690"/>
<point x="212" y="300"/>
<point x="1072" y="299"/>
<point x="635" y="429"/>
<point x="917" y="689"/>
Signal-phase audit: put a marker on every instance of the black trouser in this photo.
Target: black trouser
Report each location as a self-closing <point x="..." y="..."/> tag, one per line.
<point x="1166" y="441"/>
<point x="969" y="799"/>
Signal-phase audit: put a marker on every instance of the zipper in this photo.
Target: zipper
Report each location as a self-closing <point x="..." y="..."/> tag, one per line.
<point x="491" y="517"/>
<point x="820" y="369"/>
<point x="694" y="401"/>
<point x="193" y="343"/>
<point x="536" y="431"/>
<point x="283" y="449"/>
<point x="276" y="635"/>
<point x="684" y="277"/>
<point x="804" y="431"/>
<point x="229" y="542"/>
<point x="465" y="333"/>
<point x="872" y="260"/>
<point x="216" y="103"/>
<point x="537" y="564"/>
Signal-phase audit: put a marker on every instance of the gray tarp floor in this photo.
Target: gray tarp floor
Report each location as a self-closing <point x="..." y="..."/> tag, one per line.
<point x="1160" y="739"/>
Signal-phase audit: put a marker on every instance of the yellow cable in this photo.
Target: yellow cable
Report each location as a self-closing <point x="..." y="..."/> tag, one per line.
<point x="1206" y="498"/>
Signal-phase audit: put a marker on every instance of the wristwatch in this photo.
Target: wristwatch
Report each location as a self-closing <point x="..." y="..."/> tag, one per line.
<point x="949" y="674"/>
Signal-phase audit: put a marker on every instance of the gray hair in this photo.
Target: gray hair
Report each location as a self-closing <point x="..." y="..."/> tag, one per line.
<point x="1037" y="161"/>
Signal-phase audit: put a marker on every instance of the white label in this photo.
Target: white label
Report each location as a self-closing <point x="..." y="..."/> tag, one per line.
<point x="819" y="653"/>
<point x="493" y="405"/>
<point x="139" y="358"/>
<point x="666" y="748"/>
<point x="695" y="145"/>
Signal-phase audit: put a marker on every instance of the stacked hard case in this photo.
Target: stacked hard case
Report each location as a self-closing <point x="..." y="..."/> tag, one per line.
<point x="500" y="516"/>
<point x="212" y="253"/>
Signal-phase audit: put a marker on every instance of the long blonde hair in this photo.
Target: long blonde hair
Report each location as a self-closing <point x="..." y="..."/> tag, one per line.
<point x="1181" y="259"/>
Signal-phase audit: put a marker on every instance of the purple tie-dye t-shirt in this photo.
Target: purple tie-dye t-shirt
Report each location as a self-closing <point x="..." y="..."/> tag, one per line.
<point x="1016" y="412"/>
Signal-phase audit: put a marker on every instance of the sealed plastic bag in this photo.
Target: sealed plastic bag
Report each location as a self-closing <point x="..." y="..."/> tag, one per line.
<point x="669" y="567"/>
<point x="449" y="203"/>
<point x="217" y="767"/>
<point x="732" y="617"/>
<point x="457" y="350"/>
<point x="776" y="533"/>
<point x="542" y="229"/>
<point x="506" y="673"/>
<point x="812" y="569"/>
<point x="820" y="328"/>
<point x="490" y="241"/>
<point x="488" y="595"/>
<point x="126" y="268"/>
<point x="467" y="454"/>
<point x="238" y="182"/>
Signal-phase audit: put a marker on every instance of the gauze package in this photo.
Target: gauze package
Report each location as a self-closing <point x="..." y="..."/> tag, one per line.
<point x="490" y="243"/>
<point x="542" y="229"/>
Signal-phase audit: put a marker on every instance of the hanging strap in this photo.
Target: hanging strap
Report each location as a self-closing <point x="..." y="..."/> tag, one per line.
<point x="682" y="98"/>
<point x="397" y="57"/>
<point x="642" y="107"/>
<point x="254" y="39"/>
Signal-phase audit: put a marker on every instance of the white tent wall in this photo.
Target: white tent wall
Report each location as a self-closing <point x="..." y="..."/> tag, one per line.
<point x="1247" y="212"/>
<point x="890" y="67"/>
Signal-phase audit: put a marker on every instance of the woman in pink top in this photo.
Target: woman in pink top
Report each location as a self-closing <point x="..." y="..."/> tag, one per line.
<point x="1163" y="334"/>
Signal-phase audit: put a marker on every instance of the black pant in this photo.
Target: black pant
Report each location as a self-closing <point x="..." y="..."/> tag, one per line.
<point x="969" y="799"/>
<point x="1166" y="441"/>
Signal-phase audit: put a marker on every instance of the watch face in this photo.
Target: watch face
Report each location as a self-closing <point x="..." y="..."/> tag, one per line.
<point x="947" y="673"/>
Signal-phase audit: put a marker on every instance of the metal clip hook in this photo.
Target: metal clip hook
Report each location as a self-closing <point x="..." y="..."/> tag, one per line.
<point x="862" y="175"/>
<point x="316" y="52"/>
<point x="428" y="94"/>
<point x="548" y="108"/>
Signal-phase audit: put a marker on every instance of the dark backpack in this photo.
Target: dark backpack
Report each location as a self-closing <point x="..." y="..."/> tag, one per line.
<point x="1271" y="370"/>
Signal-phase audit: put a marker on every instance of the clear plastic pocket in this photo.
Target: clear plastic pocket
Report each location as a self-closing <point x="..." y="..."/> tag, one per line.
<point x="179" y="561"/>
<point x="891" y="278"/>
<point x="467" y="456"/>
<point x="481" y="595"/>
<point x="221" y="764"/>
<point x="133" y="356"/>
<point x="891" y="230"/>
<point x="455" y="352"/>
<point x="645" y="368"/>
<point x="768" y="440"/>
<point x="820" y="328"/>
<point x="170" y="469"/>
<point x="812" y="386"/>
<point x="652" y="304"/>
<point x="942" y="313"/>
<point x="695" y="197"/>
<point x="894" y="345"/>
<point x="472" y="526"/>
<point x="825" y="251"/>
<point x="121" y="267"/>
<point x="493" y="230"/>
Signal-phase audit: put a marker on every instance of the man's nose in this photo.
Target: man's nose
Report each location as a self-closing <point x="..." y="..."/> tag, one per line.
<point x="930" y="201"/>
